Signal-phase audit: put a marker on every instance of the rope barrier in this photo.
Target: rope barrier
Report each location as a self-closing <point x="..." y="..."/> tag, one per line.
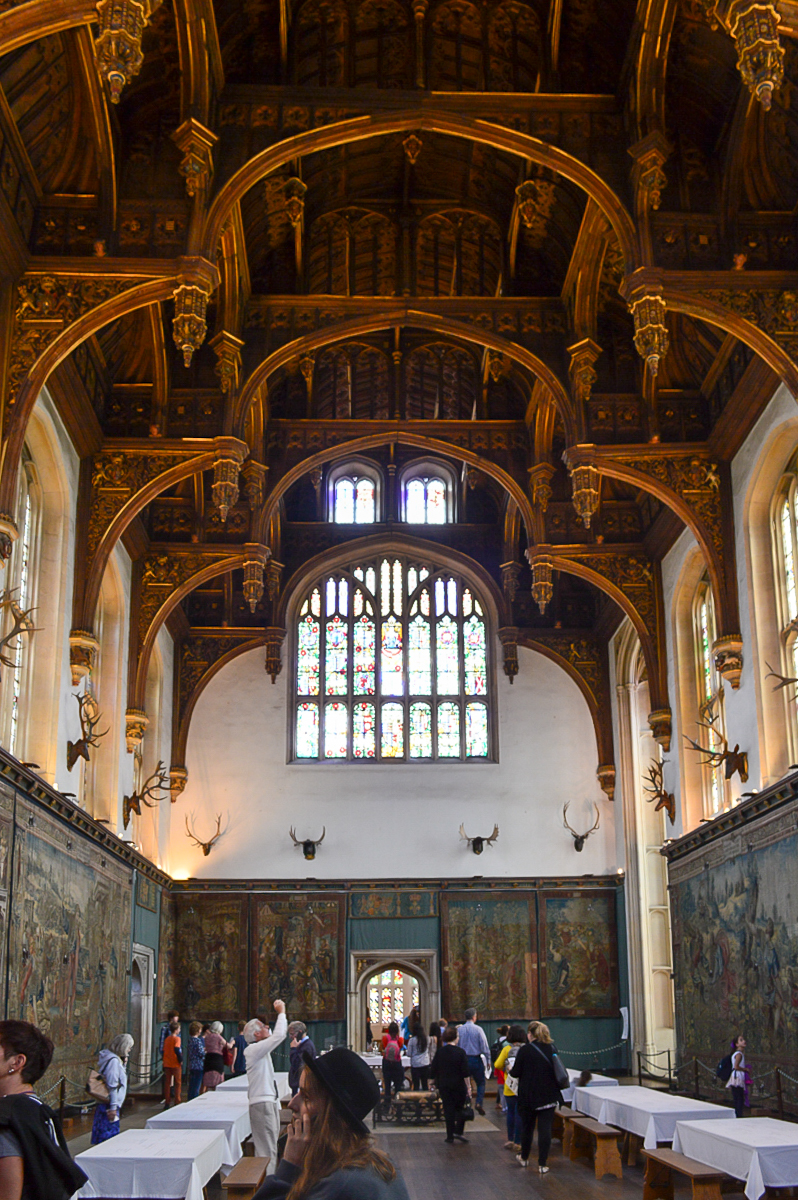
<point x="591" y="1053"/>
<point x="784" y="1075"/>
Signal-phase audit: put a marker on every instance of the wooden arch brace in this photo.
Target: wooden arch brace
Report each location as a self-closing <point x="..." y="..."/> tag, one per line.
<point x="634" y="582"/>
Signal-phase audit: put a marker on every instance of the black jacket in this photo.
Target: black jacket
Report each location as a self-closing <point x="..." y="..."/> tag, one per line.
<point x="537" y="1087"/>
<point x="49" y="1171"/>
<point x="297" y="1062"/>
<point x="450" y="1069"/>
<point x="349" y="1183"/>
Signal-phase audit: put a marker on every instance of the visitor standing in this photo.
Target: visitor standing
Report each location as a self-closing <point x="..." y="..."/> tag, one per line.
<point x="34" y="1160"/>
<point x="738" y="1079"/>
<point x="264" y="1100"/>
<point x="515" y="1039"/>
<point x="172" y="1015"/>
<point x="328" y="1149"/>
<point x="112" y="1065"/>
<point x="452" y="1075"/>
<point x="495" y="1051"/>
<point x="215" y="1046"/>
<point x="300" y="1045"/>
<point x="418" y="1053"/>
<point x="240" y="1043"/>
<point x="393" y="1073"/>
<point x="196" y="1060"/>
<point x="471" y="1038"/>
<point x="538" y="1093"/>
<point x="434" y="1040"/>
<point x="173" y="1064"/>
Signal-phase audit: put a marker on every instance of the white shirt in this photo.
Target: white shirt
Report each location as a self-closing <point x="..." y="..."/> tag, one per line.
<point x="261" y="1084"/>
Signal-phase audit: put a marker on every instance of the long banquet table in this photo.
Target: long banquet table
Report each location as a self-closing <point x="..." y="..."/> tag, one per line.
<point x="151" y="1163"/>
<point x="238" y="1083"/>
<point x="596" y="1082"/>
<point x="646" y="1112"/>
<point x="228" y="1113"/>
<point x="759" y="1150"/>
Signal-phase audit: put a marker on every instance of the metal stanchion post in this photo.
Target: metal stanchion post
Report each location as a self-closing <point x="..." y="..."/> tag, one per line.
<point x="697" y="1089"/>
<point x="779" y="1093"/>
<point x="639" y="1069"/>
<point x="61" y="1098"/>
<point x="671" y="1080"/>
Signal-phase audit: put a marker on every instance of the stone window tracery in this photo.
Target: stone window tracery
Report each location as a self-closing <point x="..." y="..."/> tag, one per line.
<point x="710" y="697"/>
<point x="785" y="554"/>
<point x="392" y="665"/>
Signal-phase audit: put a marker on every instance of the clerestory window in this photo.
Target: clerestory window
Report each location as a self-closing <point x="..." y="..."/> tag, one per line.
<point x="785" y="553"/>
<point x="353" y="494"/>
<point x="711" y="717"/>
<point x="392" y="665"/>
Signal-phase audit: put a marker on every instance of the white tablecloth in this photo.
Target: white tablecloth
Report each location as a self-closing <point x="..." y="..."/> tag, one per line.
<point x="759" y="1150"/>
<point x="152" y="1163"/>
<point x="649" y="1113"/>
<point x="596" y="1081"/>
<point x="238" y="1083"/>
<point x="375" y="1060"/>
<point x="228" y="1113"/>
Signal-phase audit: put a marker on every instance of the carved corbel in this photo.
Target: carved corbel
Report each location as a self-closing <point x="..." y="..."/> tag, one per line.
<point x="727" y="653"/>
<point x="227" y="349"/>
<point x="586" y="488"/>
<point x="118" y="45"/>
<point x="582" y="370"/>
<point x="660" y="723"/>
<point x="605" y="773"/>
<point x="542" y="581"/>
<point x="754" y="25"/>
<point x="229" y="454"/>
<point x="254" y="475"/>
<point x="511" y="572"/>
<point x="275" y="636"/>
<point x="255" y="558"/>
<point x="274" y="578"/>
<point x="197" y="144"/>
<point x="540" y="477"/>
<point x="178" y="778"/>
<point x="8" y="535"/>
<point x="136" y="722"/>
<point x="508" y="636"/>
<point x="648" y="177"/>
<point x="188" y="326"/>
<point x="651" y="333"/>
<point x="83" y="651"/>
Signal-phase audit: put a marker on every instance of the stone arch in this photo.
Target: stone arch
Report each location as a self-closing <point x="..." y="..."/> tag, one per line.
<point x="182" y="721"/>
<point x="422" y="964"/>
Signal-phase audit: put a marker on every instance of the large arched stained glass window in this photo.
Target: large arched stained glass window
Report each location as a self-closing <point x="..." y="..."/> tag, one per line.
<point x="391" y="665"/>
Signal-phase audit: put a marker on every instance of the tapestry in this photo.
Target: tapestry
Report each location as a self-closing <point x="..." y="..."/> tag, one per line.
<point x="393" y="904"/>
<point x="166" y="955"/>
<point x="735" y="935"/>
<point x="211" y="934"/>
<point x="489" y="956"/>
<point x="146" y="893"/>
<point x="578" y="954"/>
<point x="298" y="955"/>
<point x="70" y="940"/>
<point x="6" y="838"/>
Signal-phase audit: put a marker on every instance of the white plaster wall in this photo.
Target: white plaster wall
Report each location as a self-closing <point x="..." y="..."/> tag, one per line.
<point x="392" y="820"/>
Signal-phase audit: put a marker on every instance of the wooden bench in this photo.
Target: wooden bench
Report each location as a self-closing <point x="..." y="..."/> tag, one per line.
<point x="558" y="1124"/>
<point x="569" y="1119"/>
<point x="598" y="1142"/>
<point x="245" y="1178"/>
<point x="660" y="1165"/>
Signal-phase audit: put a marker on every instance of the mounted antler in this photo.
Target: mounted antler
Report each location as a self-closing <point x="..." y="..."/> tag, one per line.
<point x="146" y="794"/>
<point x="206" y="846"/>
<point x="478" y="844"/>
<point x="784" y="681"/>
<point x="657" y="791"/>
<point x="732" y="761"/>
<point x="580" y="838"/>
<point x="308" y="845"/>
<point x="22" y="624"/>
<point x="89" y="720"/>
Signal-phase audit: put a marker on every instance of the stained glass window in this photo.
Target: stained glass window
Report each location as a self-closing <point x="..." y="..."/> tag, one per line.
<point x="398" y="650"/>
<point x="786" y="557"/>
<point x="391" y="994"/>
<point x="710" y="698"/>
<point x="354" y="500"/>
<point x="427" y="500"/>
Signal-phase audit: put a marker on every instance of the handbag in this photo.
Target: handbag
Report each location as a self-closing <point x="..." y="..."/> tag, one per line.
<point x="97" y="1087"/>
<point x="466" y="1112"/>
<point x="228" y="1057"/>
<point x="561" y="1076"/>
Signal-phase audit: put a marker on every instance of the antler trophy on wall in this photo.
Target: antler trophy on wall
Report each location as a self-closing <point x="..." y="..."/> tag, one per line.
<point x="478" y="844"/>
<point x="206" y="846"/>
<point x="732" y="761"/>
<point x="308" y="845"/>
<point x="90" y="716"/>
<point x="22" y="624"/>
<point x="580" y="838"/>
<point x="657" y="791"/>
<point x="147" y="794"/>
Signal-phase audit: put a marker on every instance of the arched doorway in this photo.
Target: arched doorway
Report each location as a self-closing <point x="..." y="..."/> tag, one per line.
<point x="142" y="981"/>
<point x="134" y="1066"/>
<point x="391" y="994"/>
<point x="409" y="974"/>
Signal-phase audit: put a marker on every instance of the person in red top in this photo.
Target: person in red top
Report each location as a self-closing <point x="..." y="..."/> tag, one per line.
<point x="172" y="1064"/>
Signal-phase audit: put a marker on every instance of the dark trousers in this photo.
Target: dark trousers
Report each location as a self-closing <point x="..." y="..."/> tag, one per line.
<point x="393" y="1075"/>
<point x="477" y="1067"/>
<point x="544" y="1117"/>
<point x="420" y="1078"/>
<point x="452" y="1111"/>
<point x="738" y="1100"/>
<point x="195" y="1083"/>
<point x="513" y="1120"/>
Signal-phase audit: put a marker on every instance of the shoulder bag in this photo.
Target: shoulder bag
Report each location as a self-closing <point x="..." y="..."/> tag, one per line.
<point x="97" y="1087"/>
<point x="561" y="1076"/>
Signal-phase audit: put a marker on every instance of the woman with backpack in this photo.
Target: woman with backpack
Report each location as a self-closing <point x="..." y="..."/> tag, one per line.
<point x="538" y="1092"/>
<point x="393" y="1073"/>
<point x="506" y="1060"/>
<point x="418" y="1053"/>
<point x="738" y="1075"/>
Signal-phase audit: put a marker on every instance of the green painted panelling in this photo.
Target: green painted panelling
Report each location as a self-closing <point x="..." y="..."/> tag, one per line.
<point x="146" y="924"/>
<point x="409" y="933"/>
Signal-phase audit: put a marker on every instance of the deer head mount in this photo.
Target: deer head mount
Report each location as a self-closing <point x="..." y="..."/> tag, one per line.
<point x="580" y="838"/>
<point x="89" y="720"/>
<point x="784" y="680"/>
<point x="147" y="794"/>
<point x="478" y="844"/>
<point x="308" y="845"/>
<point x="733" y="761"/>
<point x="657" y="791"/>
<point x="22" y="624"/>
<point x="206" y="846"/>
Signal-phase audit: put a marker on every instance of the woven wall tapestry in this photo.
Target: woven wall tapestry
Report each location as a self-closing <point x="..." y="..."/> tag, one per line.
<point x="299" y="955"/>
<point x="489" y="955"/>
<point x="578" y="954"/>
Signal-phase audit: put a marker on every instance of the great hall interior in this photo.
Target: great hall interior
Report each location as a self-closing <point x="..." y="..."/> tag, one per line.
<point x="399" y="520"/>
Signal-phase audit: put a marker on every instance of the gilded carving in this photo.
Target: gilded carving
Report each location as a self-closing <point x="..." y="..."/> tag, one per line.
<point x="165" y="573"/>
<point x="583" y="655"/>
<point x="116" y="476"/>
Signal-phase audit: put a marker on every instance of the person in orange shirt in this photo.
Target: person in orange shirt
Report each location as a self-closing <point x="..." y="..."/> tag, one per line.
<point x="172" y="1064"/>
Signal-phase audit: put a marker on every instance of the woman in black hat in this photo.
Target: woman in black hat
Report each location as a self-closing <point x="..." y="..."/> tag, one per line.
<point x="328" y="1155"/>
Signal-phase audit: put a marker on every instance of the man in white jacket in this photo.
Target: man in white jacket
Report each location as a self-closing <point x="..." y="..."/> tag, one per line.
<point x="264" y="1102"/>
